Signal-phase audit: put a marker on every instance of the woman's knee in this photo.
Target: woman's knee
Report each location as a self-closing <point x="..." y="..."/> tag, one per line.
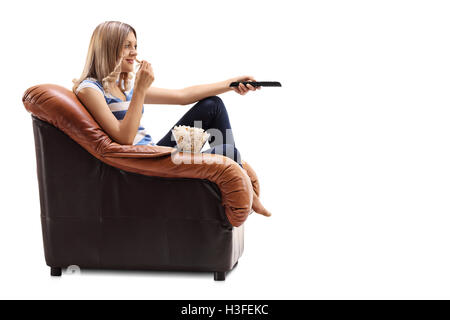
<point x="212" y="100"/>
<point x="211" y="103"/>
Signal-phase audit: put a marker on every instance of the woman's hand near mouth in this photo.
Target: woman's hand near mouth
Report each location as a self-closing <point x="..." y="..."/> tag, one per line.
<point x="144" y="77"/>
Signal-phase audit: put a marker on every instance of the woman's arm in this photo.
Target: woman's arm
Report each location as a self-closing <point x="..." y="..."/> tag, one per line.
<point x="195" y="93"/>
<point x="164" y="96"/>
<point x="185" y="96"/>
<point x="123" y="131"/>
<point x="130" y="124"/>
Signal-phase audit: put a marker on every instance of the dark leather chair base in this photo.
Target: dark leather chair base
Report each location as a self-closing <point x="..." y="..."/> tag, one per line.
<point x="97" y="216"/>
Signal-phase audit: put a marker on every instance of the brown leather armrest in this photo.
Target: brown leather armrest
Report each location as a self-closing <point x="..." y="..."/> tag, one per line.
<point x="115" y="150"/>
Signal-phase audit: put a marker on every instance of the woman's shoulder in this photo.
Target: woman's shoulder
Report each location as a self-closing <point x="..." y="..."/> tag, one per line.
<point x="90" y="83"/>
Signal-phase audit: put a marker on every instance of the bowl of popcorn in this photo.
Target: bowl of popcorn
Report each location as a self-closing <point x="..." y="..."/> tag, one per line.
<point x="190" y="139"/>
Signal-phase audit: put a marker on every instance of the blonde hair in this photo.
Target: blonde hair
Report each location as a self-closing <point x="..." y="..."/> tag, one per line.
<point x="104" y="60"/>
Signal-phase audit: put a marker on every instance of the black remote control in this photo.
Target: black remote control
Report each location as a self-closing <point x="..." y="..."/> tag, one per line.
<point x="257" y="83"/>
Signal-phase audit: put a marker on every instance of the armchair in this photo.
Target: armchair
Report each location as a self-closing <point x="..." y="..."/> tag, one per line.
<point x="110" y="206"/>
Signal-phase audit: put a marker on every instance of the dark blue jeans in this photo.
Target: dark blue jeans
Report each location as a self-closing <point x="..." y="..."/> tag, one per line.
<point x="211" y="115"/>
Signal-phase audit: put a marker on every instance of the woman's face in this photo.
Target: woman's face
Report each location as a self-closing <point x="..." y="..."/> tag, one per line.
<point x="129" y="53"/>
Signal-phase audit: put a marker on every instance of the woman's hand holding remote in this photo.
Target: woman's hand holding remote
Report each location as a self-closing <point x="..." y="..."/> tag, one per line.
<point x="241" y="89"/>
<point x="144" y="76"/>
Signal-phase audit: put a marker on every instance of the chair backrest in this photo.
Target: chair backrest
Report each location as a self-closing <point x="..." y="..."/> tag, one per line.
<point x="61" y="108"/>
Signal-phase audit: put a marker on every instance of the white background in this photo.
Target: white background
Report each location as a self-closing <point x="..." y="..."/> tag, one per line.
<point x="352" y="152"/>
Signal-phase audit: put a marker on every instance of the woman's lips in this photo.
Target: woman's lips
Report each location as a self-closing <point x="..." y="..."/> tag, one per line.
<point x="130" y="61"/>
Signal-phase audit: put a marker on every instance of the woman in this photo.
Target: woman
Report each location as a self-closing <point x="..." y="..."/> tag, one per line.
<point x="115" y="98"/>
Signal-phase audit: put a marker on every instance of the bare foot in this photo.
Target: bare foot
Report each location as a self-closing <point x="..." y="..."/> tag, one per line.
<point x="258" y="207"/>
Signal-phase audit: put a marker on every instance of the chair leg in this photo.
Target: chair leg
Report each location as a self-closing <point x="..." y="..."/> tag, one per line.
<point x="219" y="276"/>
<point x="55" y="271"/>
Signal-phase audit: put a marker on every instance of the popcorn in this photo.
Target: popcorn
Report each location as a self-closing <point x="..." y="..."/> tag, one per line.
<point x="190" y="139"/>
